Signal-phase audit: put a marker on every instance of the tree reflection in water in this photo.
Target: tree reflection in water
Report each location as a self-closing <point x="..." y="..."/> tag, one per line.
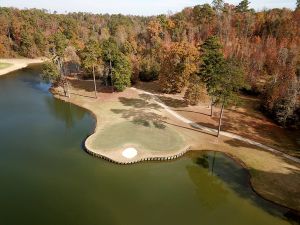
<point x="64" y="112"/>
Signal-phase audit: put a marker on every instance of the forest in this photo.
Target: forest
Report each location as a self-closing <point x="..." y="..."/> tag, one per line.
<point x="217" y="49"/>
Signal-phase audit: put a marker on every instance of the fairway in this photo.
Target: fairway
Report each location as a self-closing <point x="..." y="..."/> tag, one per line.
<point x="4" y="65"/>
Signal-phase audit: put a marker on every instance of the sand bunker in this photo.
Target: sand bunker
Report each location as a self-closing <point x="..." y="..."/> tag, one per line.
<point x="129" y="153"/>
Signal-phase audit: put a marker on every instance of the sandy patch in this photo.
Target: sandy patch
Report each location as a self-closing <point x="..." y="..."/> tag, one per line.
<point x="17" y="64"/>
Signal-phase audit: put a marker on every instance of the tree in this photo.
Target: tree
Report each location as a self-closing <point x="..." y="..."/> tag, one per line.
<point x="298" y="4"/>
<point x="149" y="69"/>
<point x="178" y="63"/>
<point x="119" y="66"/>
<point x="203" y="13"/>
<point x="91" y="57"/>
<point x="121" y="71"/>
<point x="212" y="62"/>
<point x="223" y="78"/>
<point x="195" y="91"/>
<point x="26" y="44"/>
<point x="50" y="73"/>
<point x="243" y="6"/>
<point x="59" y="43"/>
<point x="218" y="5"/>
<point x="109" y="53"/>
<point x="227" y="85"/>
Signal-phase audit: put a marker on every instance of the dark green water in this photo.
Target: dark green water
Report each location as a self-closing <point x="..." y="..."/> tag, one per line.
<point x="46" y="178"/>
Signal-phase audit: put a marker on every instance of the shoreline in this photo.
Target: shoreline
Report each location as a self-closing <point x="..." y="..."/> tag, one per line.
<point x="17" y="64"/>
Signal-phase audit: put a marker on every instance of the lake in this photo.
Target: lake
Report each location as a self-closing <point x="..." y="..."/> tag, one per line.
<point x="48" y="179"/>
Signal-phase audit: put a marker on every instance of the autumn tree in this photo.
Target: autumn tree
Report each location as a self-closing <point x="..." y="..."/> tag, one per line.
<point x="179" y="62"/>
<point x="195" y="91"/>
<point x="254" y="38"/>
<point x="282" y="89"/>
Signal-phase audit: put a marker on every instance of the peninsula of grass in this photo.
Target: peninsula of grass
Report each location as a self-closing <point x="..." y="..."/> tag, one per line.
<point x="138" y="118"/>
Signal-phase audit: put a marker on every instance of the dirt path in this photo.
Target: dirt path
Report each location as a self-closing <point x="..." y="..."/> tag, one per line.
<point x="214" y="131"/>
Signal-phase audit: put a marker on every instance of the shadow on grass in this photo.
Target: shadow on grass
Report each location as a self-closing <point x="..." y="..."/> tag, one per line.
<point x="173" y="102"/>
<point x="86" y="96"/>
<point x="237" y="143"/>
<point x="138" y="103"/>
<point x="189" y="128"/>
<point x="88" y="86"/>
<point x="189" y="111"/>
<point x="141" y="117"/>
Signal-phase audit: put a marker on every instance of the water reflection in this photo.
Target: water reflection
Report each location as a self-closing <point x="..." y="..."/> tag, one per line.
<point x="65" y="112"/>
<point x="222" y="173"/>
<point x="212" y="193"/>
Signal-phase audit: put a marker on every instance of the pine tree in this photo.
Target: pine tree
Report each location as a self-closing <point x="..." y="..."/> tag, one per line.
<point x="243" y="6"/>
<point x="211" y="65"/>
<point x="223" y="78"/>
<point x="230" y="81"/>
<point x="218" y="5"/>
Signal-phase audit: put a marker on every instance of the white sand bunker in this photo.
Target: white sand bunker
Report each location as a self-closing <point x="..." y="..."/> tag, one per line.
<point x="129" y="153"/>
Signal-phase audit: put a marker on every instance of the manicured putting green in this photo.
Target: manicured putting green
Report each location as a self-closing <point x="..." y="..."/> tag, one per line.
<point x="146" y="135"/>
<point x="4" y="65"/>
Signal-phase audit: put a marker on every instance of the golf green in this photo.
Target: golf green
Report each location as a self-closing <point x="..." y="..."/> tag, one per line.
<point x="149" y="136"/>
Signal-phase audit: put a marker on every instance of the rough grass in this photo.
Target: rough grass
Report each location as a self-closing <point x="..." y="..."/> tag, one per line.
<point x="4" y="65"/>
<point x="144" y="134"/>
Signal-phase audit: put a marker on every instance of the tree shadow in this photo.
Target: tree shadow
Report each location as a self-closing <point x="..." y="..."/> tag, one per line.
<point x="141" y="117"/>
<point x="237" y="178"/>
<point x="237" y="144"/>
<point x="152" y="87"/>
<point x="82" y="95"/>
<point x="173" y="102"/>
<point x="189" y="111"/>
<point x="189" y="128"/>
<point x="208" y="125"/>
<point x="88" y="86"/>
<point x="146" y="97"/>
<point x="138" y="103"/>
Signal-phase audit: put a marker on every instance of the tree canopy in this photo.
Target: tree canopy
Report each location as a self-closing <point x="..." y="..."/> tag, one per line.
<point x="136" y="47"/>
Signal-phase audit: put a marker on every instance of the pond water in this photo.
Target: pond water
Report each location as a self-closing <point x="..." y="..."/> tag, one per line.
<point x="48" y="179"/>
